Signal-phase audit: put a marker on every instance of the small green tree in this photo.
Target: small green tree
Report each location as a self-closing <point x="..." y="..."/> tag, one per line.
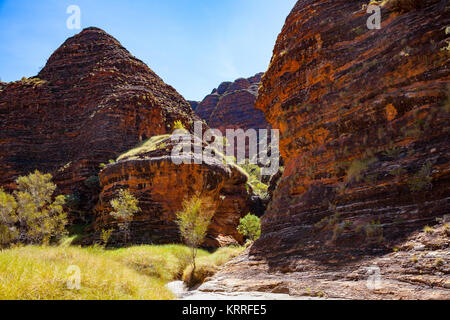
<point x="31" y="215"/>
<point x="193" y="221"/>
<point x="250" y="227"/>
<point x="125" y="206"/>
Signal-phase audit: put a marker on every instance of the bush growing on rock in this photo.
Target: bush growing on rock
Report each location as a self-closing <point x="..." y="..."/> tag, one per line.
<point x="31" y="215"/>
<point x="250" y="227"/>
<point x="178" y="125"/>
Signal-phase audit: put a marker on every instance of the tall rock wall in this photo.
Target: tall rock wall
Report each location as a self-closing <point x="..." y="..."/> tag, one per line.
<point x="364" y="124"/>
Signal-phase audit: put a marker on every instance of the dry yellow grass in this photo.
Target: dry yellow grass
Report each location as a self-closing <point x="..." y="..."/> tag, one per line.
<point x="141" y="272"/>
<point x="41" y="273"/>
<point x="151" y="144"/>
<point x="208" y="265"/>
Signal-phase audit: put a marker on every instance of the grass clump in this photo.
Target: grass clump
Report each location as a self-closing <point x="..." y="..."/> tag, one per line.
<point x="201" y="273"/>
<point x="193" y="221"/>
<point x="152" y="144"/>
<point x="250" y="227"/>
<point x="136" y="273"/>
<point x="422" y="180"/>
<point x="357" y="168"/>
<point x="166" y="262"/>
<point x="32" y="214"/>
<point x="208" y="265"/>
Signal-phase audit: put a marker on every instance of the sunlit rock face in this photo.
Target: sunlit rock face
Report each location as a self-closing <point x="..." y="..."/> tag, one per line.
<point x="92" y="101"/>
<point x="232" y="106"/>
<point x="161" y="183"/>
<point x="363" y="118"/>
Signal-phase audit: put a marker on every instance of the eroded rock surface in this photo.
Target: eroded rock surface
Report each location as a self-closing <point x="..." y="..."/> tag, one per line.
<point x="232" y="106"/>
<point x="92" y="101"/>
<point x="363" y="116"/>
<point x="418" y="269"/>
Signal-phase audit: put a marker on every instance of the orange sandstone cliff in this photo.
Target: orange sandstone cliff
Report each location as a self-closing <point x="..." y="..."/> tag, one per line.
<point x="232" y="106"/>
<point x="161" y="185"/>
<point x="364" y="124"/>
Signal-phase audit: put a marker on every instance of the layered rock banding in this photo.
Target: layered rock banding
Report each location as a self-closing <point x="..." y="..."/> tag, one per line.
<point x="363" y="118"/>
<point x="232" y="106"/>
<point x="92" y="101"/>
<point x="161" y="185"/>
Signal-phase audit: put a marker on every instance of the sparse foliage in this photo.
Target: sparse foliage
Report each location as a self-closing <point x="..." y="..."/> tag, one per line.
<point x="193" y="221"/>
<point x="31" y="215"/>
<point x="125" y="206"/>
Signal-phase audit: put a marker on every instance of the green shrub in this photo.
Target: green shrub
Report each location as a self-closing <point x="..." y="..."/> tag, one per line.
<point x="250" y="227"/>
<point x="31" y="214"/>
<point x="178" y="125"/>
<point x="374" y="232"/>
<point x="93" y="182"/>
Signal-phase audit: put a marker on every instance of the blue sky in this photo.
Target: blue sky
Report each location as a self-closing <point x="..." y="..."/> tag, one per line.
<point x="194" y="45"/>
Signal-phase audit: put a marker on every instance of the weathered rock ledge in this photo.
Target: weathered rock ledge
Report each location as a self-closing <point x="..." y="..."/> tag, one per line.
<point x="160" y="185"/>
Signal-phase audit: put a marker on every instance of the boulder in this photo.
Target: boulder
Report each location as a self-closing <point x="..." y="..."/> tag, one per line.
<point x="150" y="173"/>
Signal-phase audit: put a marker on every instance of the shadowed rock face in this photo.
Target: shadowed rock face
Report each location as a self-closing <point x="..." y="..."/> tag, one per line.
<point x="232" y="106"/>
<point x="92" y="101"/>
<point x="161" y="186"/>
<point x="194" y="104"/>
<point x="363" y="118"/>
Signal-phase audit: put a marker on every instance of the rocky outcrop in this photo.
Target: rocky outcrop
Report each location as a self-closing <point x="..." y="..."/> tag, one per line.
<point x="92" y="101"/>
<point x="150" y="173"/>
<point x="232" y="106"/>
<point x="194" y="104"/>
<point x="363" y="118"/>
<point x="418" y="269"/>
